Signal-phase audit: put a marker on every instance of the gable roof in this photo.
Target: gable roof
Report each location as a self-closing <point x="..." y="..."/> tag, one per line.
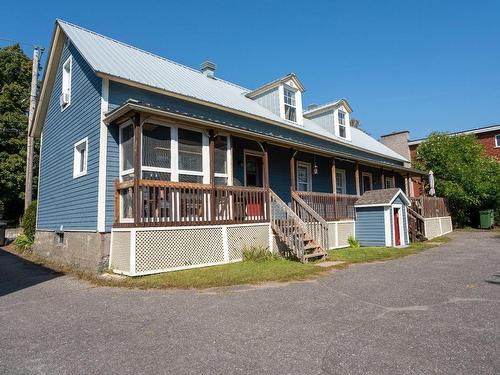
<point x="120" y="62"/>
<point x="276" y="82"/>
<point x="381" y="197"/>
<point x="327" y="106"/>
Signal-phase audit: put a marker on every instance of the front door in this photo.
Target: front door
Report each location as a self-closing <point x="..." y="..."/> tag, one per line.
<point x="397" y="234"/>
<point x="253" y="170"/>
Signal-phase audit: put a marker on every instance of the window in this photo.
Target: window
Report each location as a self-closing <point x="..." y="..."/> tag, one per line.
<point x="342" y="129"/>
<point x="366" y="179"/>
<point x="497" y="140"/>
<point x="221" y="160"/>
<point x="190" y="156"/>
<point x="156" y="152"/>
<point x="340" y="181"/>
<point x="290" y="106"/>
<point x="80" y="158"/>
<point x="304" y="177"/>
<point x="389" y="182"/>
<point x="66" y="83"/>
<point x="127" y="150"/>
<point x="253" y="169"/>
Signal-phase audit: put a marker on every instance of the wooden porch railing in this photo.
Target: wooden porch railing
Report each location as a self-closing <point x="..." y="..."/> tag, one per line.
<point x="416" y="226"/>
<point x="330" y="206"/>
<point x="317" y="227"/>
<point x="430" y="206"/>
<point x="164" y="203"/>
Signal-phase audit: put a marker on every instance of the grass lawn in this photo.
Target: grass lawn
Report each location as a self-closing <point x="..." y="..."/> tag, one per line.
<point x="371" y="254"/>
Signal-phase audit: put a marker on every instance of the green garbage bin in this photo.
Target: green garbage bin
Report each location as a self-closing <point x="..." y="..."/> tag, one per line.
<point x="486" y="219"/>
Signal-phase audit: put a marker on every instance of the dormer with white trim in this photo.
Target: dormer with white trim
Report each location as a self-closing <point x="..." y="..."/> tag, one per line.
<point x="333" y="117"/>
<point x="283" y="97"/>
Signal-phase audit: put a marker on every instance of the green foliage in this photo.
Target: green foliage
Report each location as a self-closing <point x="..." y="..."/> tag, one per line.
<point x="23" y="243"/>
<point x="15" y="81"/>
<point x="464" y="175"/>
<point x="258" y="254"/>
<point x="29" y="221"/>
<point x="353" y="242"/>
<point x="1" y="209"/>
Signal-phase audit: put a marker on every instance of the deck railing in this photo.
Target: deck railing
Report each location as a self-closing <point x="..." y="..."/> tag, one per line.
<point x="317" y="227"/>
<point x="430" y="206"/>
<point x="330" y="207"/>
<point x="164" y="203"/>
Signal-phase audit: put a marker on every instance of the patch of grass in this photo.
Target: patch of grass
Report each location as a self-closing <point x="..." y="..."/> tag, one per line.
<point x="372" y="254"/>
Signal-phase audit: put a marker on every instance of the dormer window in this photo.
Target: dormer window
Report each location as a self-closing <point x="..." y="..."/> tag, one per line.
<point x="290" y="106"/>
<point x="65" y="98"/>
<point x="342" y="126"/>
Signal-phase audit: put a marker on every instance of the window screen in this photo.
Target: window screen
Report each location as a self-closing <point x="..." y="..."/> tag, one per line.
<point x="127" y="148"/>
<point x="190" y="150"/>
<point x="155" y="146"/>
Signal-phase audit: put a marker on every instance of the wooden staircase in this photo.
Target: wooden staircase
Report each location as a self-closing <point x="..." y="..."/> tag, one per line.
<point x="416" y="226"/>
<point x="294" y="232"/>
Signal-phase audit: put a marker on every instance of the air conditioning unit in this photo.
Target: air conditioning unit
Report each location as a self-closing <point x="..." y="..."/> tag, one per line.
<point x="64" y="99"/>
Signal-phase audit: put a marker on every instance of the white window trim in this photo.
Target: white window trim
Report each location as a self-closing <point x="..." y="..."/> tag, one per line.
<point x="497" y="141"/>
<point x="69" y="61"/>
<point x="120" y="151"/>
<point x="294" y="90"/>
<point x="389" y="178"/>
<point x="251" y="153"/>
<point x="309" y="174"/>
<point x="76" y="158"/>
<point x="368" y="174"/>
<point x="229" y="165"/>
<point x="344" y="187"/>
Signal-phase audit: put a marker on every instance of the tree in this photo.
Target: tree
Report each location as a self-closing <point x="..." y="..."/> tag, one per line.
<point x="15" y="80"/>
<point x="464" y="174"/>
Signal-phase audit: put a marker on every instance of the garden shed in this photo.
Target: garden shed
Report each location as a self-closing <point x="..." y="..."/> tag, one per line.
<point x="381" y="218"/>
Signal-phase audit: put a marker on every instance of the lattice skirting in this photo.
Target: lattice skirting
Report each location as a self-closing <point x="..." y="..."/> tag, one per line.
<point x="142" y="251"/>
<point x="437" y="226"/>
<point x="339" y="232"/>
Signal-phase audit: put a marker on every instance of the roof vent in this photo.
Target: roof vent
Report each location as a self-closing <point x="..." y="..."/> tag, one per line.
<point x="208" y="68"/>
<point x="310" y="107"/>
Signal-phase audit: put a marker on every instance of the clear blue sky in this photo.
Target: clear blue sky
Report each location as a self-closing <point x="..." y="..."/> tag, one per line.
<point x="419" y="65"/>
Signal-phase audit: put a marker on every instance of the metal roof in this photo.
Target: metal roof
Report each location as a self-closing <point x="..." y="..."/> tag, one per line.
<point x="117" y="59"/>
<point x="483" y="129"/>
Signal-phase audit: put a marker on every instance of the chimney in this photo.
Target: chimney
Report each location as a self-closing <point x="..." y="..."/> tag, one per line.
<point x="312" y="106"/>
<point x="208" y="68"/>
<point x="354" y="123"/>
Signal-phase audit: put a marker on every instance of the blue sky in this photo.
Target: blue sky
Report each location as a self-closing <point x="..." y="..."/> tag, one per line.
<point x="418" y="65"/>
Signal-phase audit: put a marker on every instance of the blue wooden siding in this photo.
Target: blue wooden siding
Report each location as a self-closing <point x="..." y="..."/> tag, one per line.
<point x="120" y="93"/>
<point x="270" y="100"/>
<point x="112" y="173"/>
<point x="370" y="226"/>
<point x="325" y="120"/>
<point x="62" y="199"/>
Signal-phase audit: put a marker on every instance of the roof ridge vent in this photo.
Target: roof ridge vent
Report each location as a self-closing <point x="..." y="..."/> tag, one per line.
<point x="208" y="69"/>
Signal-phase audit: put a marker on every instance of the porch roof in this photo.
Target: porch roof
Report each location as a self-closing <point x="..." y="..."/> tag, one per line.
<point x="321" y="146"/>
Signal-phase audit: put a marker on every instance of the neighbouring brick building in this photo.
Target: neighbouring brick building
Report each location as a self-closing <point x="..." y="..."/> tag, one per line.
<point x="400" y="142"/>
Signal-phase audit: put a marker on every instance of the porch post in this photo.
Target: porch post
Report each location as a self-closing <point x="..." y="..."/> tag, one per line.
<point x="334" y="176"/>
<point x="407" y="184"/>
<point x="356" y="174"/>
<point x="265" y="162"/>
<point x="137" y="167"/>
<point x="211" y="145"/>
<point x="382" y="178"/>
<point x="292" y="170"/>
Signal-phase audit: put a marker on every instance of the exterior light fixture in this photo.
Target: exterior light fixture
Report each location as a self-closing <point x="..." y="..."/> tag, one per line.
<point x="315" y="166"/>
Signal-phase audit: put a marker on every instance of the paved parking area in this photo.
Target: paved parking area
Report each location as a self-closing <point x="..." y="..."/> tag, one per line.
<point x="427" y="313"/>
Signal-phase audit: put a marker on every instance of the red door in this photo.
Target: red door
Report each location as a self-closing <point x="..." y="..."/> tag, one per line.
<point x="396" y="227"/>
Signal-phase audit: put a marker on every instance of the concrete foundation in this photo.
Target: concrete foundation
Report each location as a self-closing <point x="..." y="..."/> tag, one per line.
<point x="88" y="251"/>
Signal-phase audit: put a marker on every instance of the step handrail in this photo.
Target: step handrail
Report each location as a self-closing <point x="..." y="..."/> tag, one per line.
<point x="317" y="226"/>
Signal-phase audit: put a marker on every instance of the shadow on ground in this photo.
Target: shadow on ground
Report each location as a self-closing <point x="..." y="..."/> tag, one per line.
<point x="17" y="273"/>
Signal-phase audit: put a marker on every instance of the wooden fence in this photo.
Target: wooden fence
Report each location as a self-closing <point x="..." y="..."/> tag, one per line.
<point x="330" y="206"/>
<point x="430" y="206"/>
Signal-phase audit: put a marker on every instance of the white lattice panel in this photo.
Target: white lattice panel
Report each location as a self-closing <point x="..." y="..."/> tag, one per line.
<point x="432" y="228"/>
<point x="120" y="256"/>
<point x="345" y="230"/>
<point x="246" y="236"/>
<point x="332" y="233"/>
<point x="446" y="225"/>
<point x="164" y="249"/>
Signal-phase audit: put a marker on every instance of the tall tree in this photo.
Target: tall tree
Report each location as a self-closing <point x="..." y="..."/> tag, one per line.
<point x="15" y="79"/>
<point x="465" y="175"/>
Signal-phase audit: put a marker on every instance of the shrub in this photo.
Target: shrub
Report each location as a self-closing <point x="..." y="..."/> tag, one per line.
<point x="258" y="254"/>
<point x="353" y="242"/>
<point x="23" y="243"/>
<point x="29" y="221"/>
<point x="1" y="209"/>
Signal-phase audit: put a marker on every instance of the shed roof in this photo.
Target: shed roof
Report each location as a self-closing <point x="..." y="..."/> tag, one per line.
<point x="381" y="197"/>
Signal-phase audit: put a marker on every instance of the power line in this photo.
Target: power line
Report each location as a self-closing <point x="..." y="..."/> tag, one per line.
<point x="20" y="42"/>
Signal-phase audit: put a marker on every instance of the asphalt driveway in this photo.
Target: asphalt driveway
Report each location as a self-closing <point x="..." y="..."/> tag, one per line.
<point x="427" y="313"/>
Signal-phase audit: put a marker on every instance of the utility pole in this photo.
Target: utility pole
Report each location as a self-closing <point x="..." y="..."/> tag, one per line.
<point x="28" y="190"/>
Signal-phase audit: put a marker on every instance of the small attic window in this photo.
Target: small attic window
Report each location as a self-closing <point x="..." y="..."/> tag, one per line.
<point x="66" y="83"/>
<point x="342" y="128"/>
<point x="290" y="105"/>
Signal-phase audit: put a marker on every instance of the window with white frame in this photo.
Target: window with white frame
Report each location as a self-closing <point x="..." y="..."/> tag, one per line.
<point x="222" y="153"/>
<point x="342" y="125"/>
<point x="290" y="104"/>
<point x="126" y="152"/>
<point x="304" y="176"/>
<point x="156" y="152"/>
<point x="389" y="182"/>
<point x="340" y="180"/>
<point x="80" y="156"/>
<point x="190" y="144"/>
<point x="497" y="140"/>
<point x="66" y="83"/>
<point x="367" y="181"/>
